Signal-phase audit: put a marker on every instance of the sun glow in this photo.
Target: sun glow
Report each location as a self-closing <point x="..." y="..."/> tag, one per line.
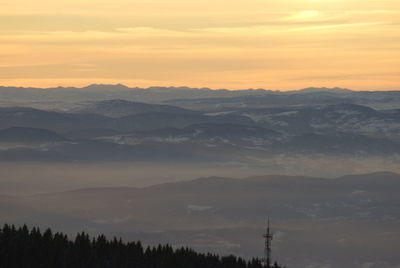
<point x="305" y="15"/>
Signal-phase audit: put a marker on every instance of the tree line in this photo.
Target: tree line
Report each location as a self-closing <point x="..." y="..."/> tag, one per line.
<point x="31" y="248"/>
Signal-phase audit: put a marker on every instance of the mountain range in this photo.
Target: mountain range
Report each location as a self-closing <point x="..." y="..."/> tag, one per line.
<point x="101" y="157"/>
<point x="227" y="216"/>
<point x="122" y="130"/>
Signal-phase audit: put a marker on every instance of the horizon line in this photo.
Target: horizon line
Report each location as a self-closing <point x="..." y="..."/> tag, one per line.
<point x="321" y="88"/>
<point x="188" y="87"/>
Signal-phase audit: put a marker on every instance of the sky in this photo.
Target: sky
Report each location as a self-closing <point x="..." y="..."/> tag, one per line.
<point x="271" y="44"/>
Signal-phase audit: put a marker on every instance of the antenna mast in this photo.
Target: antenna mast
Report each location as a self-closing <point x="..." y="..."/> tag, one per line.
<point x="267" y="248"/>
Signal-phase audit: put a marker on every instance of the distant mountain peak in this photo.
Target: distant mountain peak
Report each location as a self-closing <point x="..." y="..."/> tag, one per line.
<point x="106" y="86"/>
<point x="325" y="89"/>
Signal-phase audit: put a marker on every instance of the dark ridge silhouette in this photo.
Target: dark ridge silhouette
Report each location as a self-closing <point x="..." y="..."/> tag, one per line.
<point x="119" y="108"/>
<point x="29" y="135"/>
<point x="24" y="247"/>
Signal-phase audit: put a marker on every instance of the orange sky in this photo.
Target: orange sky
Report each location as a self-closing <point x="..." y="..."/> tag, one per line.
<point x="279" y="45"/>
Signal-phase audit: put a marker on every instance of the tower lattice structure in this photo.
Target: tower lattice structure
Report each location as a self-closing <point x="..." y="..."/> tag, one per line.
<point x="267" y="247"/>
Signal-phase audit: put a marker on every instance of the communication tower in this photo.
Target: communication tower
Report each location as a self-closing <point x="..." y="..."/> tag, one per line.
<point x="267" y="247"/>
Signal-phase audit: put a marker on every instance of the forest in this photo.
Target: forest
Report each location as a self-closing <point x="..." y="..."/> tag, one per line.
<point x="31" y="248"/>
